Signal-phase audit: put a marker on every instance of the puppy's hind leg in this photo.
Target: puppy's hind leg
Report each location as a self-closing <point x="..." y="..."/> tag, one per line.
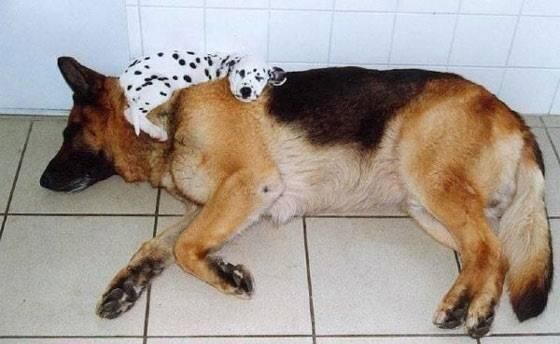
<point x="149" y="261"/>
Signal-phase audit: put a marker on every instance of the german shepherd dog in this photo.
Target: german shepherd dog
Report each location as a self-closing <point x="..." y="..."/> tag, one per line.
<point x="463" y="164"/>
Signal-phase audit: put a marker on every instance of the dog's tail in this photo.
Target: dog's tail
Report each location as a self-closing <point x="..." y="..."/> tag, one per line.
<point x="525" y="236"/>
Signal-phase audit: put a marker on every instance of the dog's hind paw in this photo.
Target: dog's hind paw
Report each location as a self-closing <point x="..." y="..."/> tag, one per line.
<point x="126" y="287"/>
<point x="238" y="279"/>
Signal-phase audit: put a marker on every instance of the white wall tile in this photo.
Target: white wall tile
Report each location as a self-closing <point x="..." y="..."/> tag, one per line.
<point x="299" y="36"/>
<point x="302" y="4"/>
<point x="428" y="6"/>
<point x="131" y="2"/>
<point x="366" y="5"/>
<point x="361" y="37"/>
<point x="225" y="32"/>
<point x="134" y="36"/>
<point x="175" y="3"/>
<point x="529" y="91"/>
<point x="491" y="78"/>
<point x="537" y="43"/>
<point x="435" y="68"/>
<point x="238" y="3"/>
<point x="482" y="40"/>
<point x="294" y="67"/>
<point x="556" y="105"/>
<point x="541" y="7"/>
<point x="172" y="28"/>
<point x="422" y="38"/>
<point x="491" y="6"/>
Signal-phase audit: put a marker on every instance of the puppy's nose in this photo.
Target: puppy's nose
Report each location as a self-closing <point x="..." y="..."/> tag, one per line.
<point x="245" y="92"/>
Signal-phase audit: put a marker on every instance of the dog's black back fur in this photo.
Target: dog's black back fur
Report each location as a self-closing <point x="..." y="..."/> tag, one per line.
<point x="346" y="105"/>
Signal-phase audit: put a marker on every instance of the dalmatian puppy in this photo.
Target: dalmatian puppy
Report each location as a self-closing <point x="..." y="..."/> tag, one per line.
<point x="149" y="81"/>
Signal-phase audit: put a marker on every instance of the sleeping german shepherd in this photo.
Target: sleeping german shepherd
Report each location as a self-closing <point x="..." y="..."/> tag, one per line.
<point x="337" y="139"/>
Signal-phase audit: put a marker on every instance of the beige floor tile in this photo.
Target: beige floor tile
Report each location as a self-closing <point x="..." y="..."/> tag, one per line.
<point x="521" y="340"/>
<point x="533" y="121"/>
<point x="112" y="196"/>
<point x="399" y="340"/>
<point x="12" y="139"/>
<point x="182" y="305"/>
<point x="548" y="321"/>
<point x="552" y="177"/>
<point x="551" y="121"/>
<point x="53" y="270"/>
<point x="168" y="205"/>
<point x="376" y="276"/>
<point x="270" y="340"/>
<point x="72" y="341"/>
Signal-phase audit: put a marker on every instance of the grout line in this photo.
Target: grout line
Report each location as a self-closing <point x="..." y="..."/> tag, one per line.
<point x="457" y="260"/>
<point x="309" y="284"/>
<point x="554" y="96"/>
<point x="552" y="144"/>
<point x="389" y="335"/>
<point x="83" y="214"/>
<point x="149" y="289"/>
<point x="350" y="10"/>
<point x="269" y="14"/>
<point x="391" y="43"/>
<point x="141" y="30"/>
<point x="510" y="48"/>
<point x="16" y="176"/>
<point x="331" y="30"/>
<point x="453" y="34"/>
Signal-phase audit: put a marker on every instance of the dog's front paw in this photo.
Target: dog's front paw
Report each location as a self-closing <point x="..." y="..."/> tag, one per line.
<point x="237" y="279"/>
<point x="126" y="287"/>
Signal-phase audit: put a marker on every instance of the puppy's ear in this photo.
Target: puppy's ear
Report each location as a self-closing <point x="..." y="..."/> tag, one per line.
<point x="276" y="76"/>
<point x="85" y="83"/>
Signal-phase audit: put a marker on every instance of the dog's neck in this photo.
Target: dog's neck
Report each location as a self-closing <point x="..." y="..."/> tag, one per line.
<point x="150" y="159"/>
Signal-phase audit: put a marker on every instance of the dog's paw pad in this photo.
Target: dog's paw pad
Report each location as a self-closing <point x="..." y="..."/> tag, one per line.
<point x="127" y="287"/>
<point x="451" y="317"/>
<point x="236" y="276"/>
<point x="479" y="326"/>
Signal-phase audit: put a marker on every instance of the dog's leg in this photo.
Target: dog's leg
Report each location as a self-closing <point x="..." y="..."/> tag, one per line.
<point x="431" y="225"/>
<point x="237" y="203"/>
<point x="456" y="204"/>
<point x="149" y="261"/>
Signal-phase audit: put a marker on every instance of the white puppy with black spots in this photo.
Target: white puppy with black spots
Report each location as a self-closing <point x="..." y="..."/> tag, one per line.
<point x="149" y="81"/>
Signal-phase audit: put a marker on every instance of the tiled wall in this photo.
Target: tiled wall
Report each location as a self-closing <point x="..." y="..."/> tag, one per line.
<point x="510" y="46"/>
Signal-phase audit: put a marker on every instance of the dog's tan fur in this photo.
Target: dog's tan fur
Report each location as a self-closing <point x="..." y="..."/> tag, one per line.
<point x="454" y="156"/>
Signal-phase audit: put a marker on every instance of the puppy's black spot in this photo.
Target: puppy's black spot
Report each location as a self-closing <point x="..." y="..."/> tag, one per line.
<point x="190" y="52"/>
<point x="197" y="60"/>
<point x="147" y="103"/>
<point x="207" y="73"/>
<point x="210" y="62"/>
<point x="146" y="66"/>
<point x="242" y="73"/>
<point x="181" y="62"/>
<point x="175" y="77"/>
<point x="175" y="56"/>
<point x="265" y="189"/>
<point x="347" y="105"/>
<point x="167" y="84"/>
<point x="193" y="65"/>
<point x="128" y="87"/>
<point x="160" y="54"/>
<point x="144" y="111"/>
<point x="163" y="94"/>
<point x="218" y="73"/>
<point x="187" y="78"/>
<point x="137" y="72"/>
<point x="146" y="58"/>
<point x="138" y="88"/>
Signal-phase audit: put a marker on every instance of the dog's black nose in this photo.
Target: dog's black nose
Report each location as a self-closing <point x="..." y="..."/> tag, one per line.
<point x="45" y="180"/>
<point x="245" y="92"/>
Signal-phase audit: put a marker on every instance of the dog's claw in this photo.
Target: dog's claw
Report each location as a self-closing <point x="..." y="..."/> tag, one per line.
<point x="237" y="276"/>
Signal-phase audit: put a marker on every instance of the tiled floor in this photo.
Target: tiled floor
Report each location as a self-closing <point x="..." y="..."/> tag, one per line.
<point x="369" y="278"/>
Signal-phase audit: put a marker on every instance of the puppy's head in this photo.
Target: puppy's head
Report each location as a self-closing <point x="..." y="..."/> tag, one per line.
<point x="83" y="158"/>
<point x="249" y="77"/>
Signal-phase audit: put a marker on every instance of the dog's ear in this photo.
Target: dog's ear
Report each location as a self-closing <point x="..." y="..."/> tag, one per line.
<point x="85" y="83"/>
<point x="276" y="76"/>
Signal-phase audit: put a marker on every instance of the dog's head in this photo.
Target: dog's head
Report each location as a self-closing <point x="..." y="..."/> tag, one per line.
<point x="248" y="78"/>
<point x="83" y="158"/>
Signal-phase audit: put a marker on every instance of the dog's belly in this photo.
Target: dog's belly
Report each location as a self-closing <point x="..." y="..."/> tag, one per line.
<point x="335" y="179"/>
